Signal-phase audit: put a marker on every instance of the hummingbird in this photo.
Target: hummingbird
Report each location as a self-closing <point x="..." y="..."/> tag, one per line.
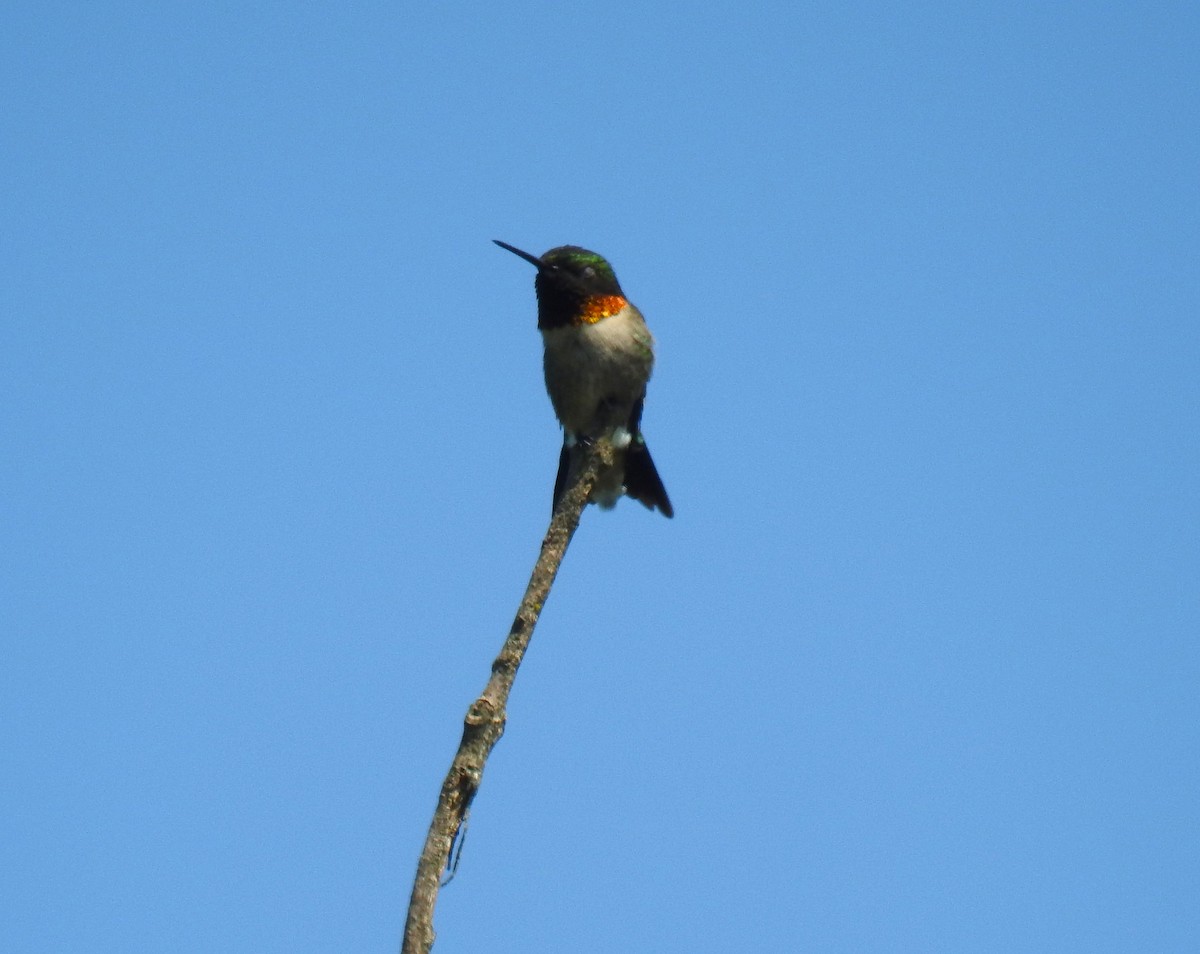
<point x="598" y="358"/>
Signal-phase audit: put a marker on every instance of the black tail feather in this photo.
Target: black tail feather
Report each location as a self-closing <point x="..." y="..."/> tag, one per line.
<point x="641" y="479"/>
<point x="560" y="482"/>
<point x="642" y="482"/>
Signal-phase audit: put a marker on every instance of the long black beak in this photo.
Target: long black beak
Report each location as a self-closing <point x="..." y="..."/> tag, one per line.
<point x="525" y="255"/>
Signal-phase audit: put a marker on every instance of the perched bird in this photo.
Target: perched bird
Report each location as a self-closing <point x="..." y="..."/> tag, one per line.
<point x="598" y="358"/>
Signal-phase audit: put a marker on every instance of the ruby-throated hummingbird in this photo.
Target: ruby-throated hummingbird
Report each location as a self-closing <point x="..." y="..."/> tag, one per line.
<point x="599" y="354"/>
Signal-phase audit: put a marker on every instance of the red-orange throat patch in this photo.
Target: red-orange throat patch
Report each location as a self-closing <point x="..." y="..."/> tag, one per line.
<point x="600" y="306"/>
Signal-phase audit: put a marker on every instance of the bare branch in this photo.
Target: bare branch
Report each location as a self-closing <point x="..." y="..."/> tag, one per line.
<point x="484" y="722"/>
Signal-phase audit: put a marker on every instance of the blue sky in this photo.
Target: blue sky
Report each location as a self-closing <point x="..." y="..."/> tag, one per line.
<point x="915" y="666"/>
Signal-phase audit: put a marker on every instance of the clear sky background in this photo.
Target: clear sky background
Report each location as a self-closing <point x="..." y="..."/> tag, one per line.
<point x="914" y="668"/>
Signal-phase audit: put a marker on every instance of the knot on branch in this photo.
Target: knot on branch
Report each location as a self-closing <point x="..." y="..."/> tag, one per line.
<point x="482" y="712"/>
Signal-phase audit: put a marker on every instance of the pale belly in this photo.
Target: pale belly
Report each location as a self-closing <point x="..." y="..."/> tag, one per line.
<point x="596" y="373"/>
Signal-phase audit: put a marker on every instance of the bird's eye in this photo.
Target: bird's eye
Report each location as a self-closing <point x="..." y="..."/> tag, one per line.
<point x="588" y="272"/>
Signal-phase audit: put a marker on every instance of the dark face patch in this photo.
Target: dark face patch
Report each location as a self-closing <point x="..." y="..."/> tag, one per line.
<point x="568" y="279"/>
